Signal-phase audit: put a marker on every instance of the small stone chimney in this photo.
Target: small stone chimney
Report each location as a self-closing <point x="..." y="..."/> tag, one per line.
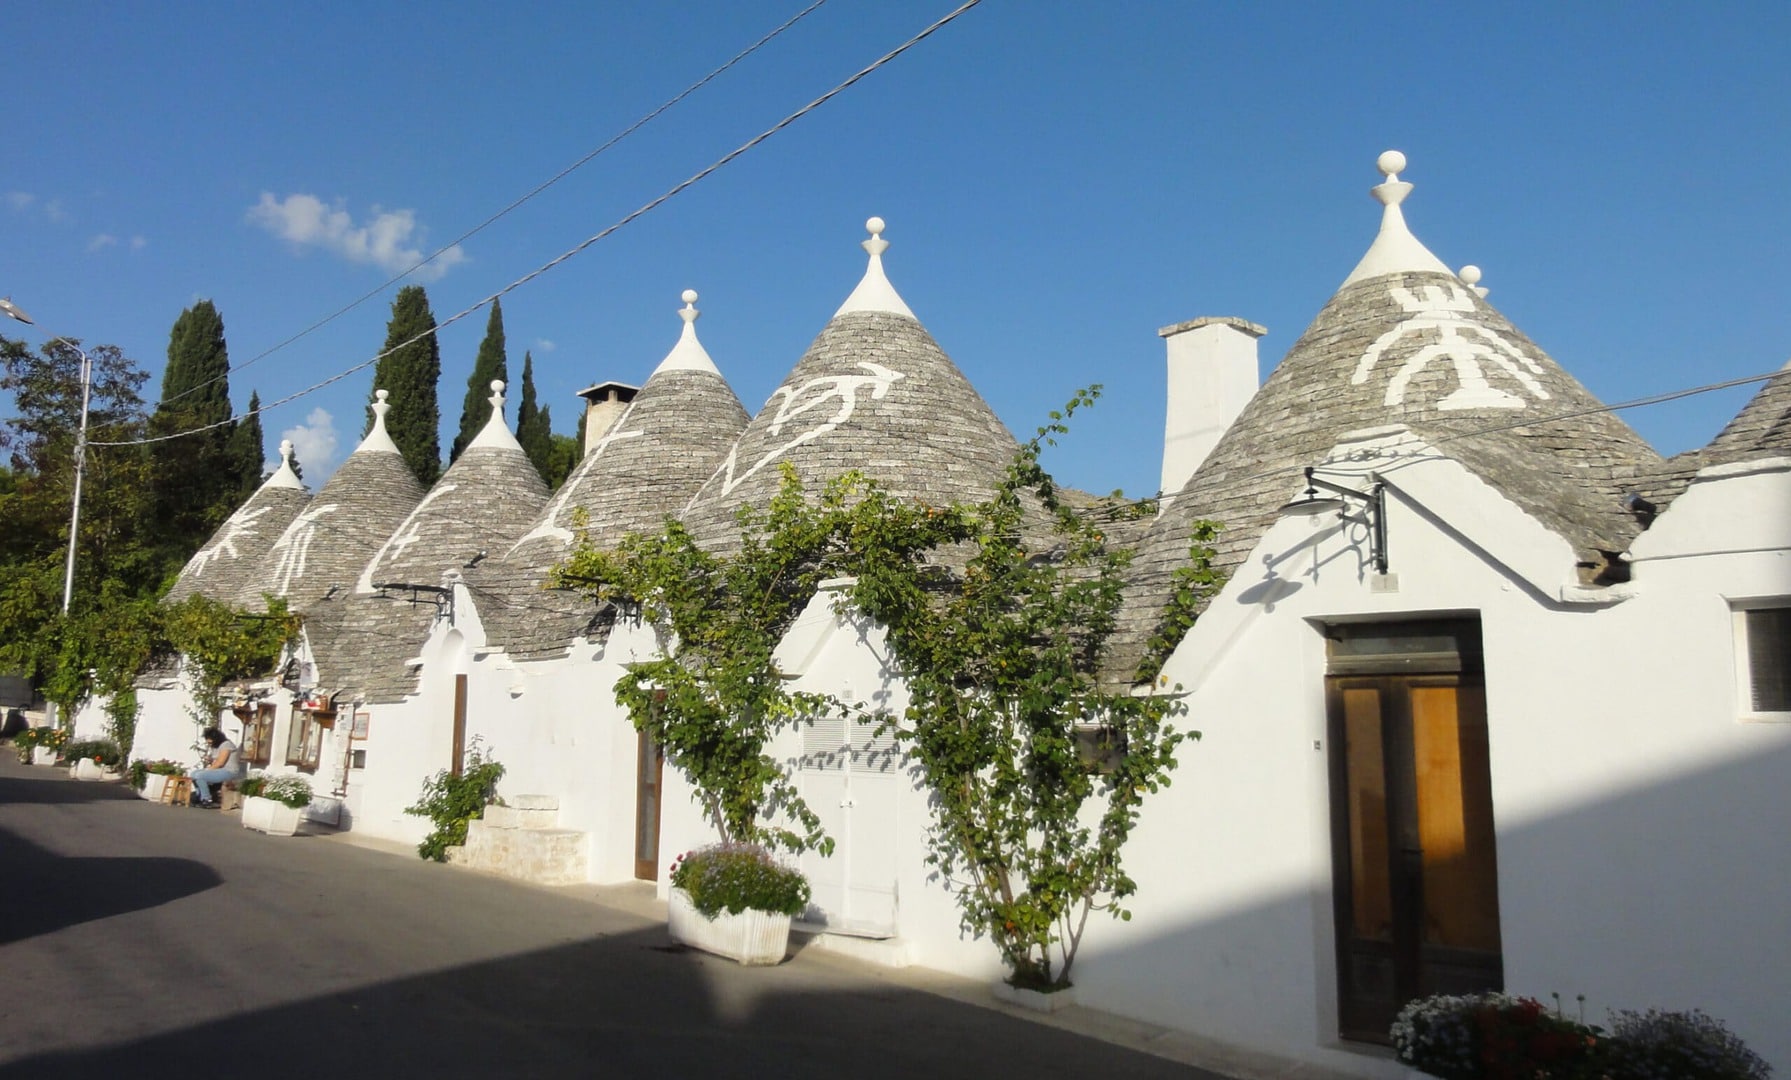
<point x="1212" y="376"/>
<point x="604" y="405"/>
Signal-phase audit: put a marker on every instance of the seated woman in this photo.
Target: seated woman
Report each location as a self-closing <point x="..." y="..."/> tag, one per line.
<point x="223" y="763"/>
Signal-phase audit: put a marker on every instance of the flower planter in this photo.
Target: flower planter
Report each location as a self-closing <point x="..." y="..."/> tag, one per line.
<point x="87" y="769"/>
<point x="1036" y="1000"/>
<point x="42" y="755"/>
<point x="751" y="937"/>
<point x="155" y="785"/>
<point x="270" y="817"/>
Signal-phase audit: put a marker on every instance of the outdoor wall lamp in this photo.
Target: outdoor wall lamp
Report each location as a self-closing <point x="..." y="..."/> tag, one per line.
<point x="1373" y="503"/>
<point x="440" y="596"/>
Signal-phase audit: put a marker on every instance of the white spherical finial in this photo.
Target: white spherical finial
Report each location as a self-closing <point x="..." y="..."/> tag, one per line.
<point x="285" y="448"/>
<point x="381" y="395"/>
<point x="1391" y="164"/>
<point x="1470" y="274"/>
<point x="874" y="226"/>
<point x="497" y="386"/>
<point x="690" y="296"/>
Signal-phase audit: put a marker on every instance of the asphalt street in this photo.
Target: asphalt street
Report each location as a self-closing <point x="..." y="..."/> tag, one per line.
<point x="148" y="941"/>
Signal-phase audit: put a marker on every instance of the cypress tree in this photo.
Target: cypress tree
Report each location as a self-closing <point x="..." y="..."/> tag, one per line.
<point x="534" y="427"/>
<point x="193" y="480"/>
<point x="411" y="374"/>
<point x="246" y="450"/>
<point x="490" y="364"/>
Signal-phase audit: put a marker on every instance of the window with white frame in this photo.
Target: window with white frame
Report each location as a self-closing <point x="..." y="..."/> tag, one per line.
<point x="1763" y="658"/>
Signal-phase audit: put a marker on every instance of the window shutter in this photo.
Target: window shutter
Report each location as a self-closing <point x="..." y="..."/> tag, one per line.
<point x="1769" y="658"/>
<point x="824" y="743"/>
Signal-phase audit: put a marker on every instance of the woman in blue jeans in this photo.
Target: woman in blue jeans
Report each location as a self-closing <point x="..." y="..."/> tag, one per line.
<point x="223" y="763"/>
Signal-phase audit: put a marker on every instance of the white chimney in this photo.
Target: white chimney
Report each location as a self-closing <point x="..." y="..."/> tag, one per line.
<point x="1212" y="376"/>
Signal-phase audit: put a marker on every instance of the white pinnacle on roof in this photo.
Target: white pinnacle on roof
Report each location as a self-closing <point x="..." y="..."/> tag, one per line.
<point x="495" y="434"/>
<point x="688" y="354"/>
<point x="874" y="292"/>
<point x="283" y="476"/>
<point x="377" y="440"/>
<point x="1395" y="250"/>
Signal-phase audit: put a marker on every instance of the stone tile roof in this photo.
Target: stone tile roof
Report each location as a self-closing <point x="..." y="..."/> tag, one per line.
<point x="483" y="502"/>
<point x="1761" y="429"/>
<point x="330" y="542"/>
<point x="228" y="561"/>
<point x="874" y="392"/>
<point x="1419" y="349"/>
<point x="644" y="469"/>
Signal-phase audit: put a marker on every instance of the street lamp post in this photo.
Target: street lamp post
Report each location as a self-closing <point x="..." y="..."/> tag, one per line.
<point x="12" y="311"/>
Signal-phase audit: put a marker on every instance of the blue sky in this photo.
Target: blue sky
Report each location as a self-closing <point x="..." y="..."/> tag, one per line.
<point x="1059" y="180"/>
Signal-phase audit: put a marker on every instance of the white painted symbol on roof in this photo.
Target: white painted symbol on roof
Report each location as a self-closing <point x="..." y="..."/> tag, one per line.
<point x="294" y="548"/>
<point x="241" y="526"/>
<point x="550" y="521"/>
<point x="408" y="533"/>
<point x="1464" y="343"/>
<point x="809" y="396"/>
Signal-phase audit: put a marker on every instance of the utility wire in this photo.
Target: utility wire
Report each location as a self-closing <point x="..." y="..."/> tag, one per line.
<point x="654" y="204"/>
<point x="476" y="229"/>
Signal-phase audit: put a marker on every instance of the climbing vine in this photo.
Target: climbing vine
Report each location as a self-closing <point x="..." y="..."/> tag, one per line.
<point x="219" y="644"/>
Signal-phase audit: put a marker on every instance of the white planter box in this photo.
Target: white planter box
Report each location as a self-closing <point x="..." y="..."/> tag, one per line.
<point x="42" y="755"/>
<point x="751" y="937"/>
<point x="87" y="769"/>
<point x="155" y="785"/>
<point x="1034" y="999"/>
<point x="270" y="817"/>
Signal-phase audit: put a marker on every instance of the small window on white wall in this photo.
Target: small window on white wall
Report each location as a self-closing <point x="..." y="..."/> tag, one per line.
<point x="1763" y="648"/>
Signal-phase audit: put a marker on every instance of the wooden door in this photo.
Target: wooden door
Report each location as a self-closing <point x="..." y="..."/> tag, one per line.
<point x="649" y="776"/>
<point x="1416" y="869"/>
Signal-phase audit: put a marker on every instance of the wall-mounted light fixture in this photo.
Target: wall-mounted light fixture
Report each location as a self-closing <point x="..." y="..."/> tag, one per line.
<point x="1373" y="504"/>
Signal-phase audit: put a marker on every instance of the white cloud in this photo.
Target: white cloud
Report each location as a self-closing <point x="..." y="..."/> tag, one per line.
<point x="314" y="444"/>
<point x="53" y="210"/>
<point x="103" y="240"/>
<point x="139" y="242"/>
<point x="545" y="345"/>
<point x="20" y="201"/>
<point x="391" y="240"/>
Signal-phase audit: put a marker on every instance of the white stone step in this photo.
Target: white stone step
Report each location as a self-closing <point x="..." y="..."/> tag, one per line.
<point x="514" y="816"/>
<point x="543" y="855"/>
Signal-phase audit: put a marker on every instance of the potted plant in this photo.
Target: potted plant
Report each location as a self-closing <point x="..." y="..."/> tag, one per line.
<point x="39" y="745"/>
<point x="735" y="900"/>
<point x="275" y="804"/>
<point x="93" y="759"/>
<point x="150" y="778"/>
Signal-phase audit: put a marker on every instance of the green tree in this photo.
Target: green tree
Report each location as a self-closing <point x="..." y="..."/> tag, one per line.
<point x="410" y="370"/>
<point x="116" y="558"/>
<point x="218" y="643"/>
<point x="1038" y="769"/>
<point x="490" y="364"/>
<point x="562" y="459"/>
<point x="195" y="478"/>
<point x="248" y="451"/>
<point x="718" y="699"/>
<point x="534" y="426"/>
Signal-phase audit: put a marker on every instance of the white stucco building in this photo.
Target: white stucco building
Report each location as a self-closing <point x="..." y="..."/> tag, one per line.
<point x="1511" y="709"/>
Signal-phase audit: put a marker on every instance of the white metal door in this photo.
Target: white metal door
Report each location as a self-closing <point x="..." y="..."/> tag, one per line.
<point x="849" y="778"/>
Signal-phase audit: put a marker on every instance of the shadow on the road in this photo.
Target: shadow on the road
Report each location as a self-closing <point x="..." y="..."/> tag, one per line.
<point x="46" y="784"/>
<point x="622" y="1005"/>
<point x="41" y="891"/>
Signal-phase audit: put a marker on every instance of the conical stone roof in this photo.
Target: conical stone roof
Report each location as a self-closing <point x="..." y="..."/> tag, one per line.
<point x="1761" y="429"/>
<point x="327" y="544"/>
<point x="229" y="559"/>
<point x="874" y="392"/>
<point x="645" y="468"/>
<point x="1403" y="344"/>
<point x="482" y="503"/>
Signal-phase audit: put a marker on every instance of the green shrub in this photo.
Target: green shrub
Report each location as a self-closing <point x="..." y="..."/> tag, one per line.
<point x="290" y="790"/>
<point x="103" y="751"/>
<point x="451" y="801"/>
<point x="141" y="770"/>
<point x="1659" y="1044"/>
<point x="735" y="877"/>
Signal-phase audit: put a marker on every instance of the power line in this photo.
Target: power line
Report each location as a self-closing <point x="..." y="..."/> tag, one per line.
<point x="481" y="226"/>
<point x="648" y="207"/>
